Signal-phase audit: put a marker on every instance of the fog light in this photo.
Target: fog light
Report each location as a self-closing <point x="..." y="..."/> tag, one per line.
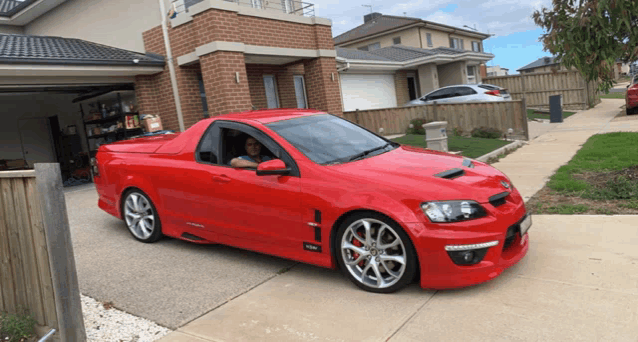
<point x="466" y="258"/>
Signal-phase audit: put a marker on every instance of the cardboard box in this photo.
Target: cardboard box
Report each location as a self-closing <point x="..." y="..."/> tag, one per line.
<point x="152" y="123"/>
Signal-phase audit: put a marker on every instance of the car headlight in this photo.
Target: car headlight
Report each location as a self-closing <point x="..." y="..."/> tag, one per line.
<point x="453" y="211"/>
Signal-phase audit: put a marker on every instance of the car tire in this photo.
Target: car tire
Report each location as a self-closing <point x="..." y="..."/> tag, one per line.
<point x="380" y="264"/>
<point x="140" y="216"/>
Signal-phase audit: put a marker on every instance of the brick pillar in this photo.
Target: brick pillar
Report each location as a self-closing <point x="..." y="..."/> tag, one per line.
<point x="146" y="94"/>
<point x="323" y="92"/>
<point x="223" y="93"/>
<point x="401" y="85"/>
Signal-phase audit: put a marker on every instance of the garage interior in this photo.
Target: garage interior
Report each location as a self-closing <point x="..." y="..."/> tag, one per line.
<point x="63" y="124"/>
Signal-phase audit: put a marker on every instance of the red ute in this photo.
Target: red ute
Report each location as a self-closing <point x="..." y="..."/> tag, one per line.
<point x="631" y="97"/>
<point x="325" y="192"/>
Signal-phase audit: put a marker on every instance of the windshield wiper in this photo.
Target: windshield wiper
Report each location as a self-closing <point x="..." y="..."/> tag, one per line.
<point x="365" y="153"/>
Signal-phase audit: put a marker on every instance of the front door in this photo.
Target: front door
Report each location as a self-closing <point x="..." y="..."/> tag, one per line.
<point x="35" y="136"/>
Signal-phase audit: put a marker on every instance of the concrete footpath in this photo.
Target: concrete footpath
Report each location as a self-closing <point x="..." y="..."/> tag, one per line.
<point x="530" y="167"/>
<point x="579" y="280"/>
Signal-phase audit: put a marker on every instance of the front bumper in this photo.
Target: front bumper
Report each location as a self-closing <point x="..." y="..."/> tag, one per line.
<point x="438" y="271"/>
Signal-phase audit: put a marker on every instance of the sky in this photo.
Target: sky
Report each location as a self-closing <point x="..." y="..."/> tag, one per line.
<point x="515" y="41"/>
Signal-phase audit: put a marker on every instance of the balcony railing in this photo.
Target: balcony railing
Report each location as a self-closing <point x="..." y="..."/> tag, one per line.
<point x="293" y="7"/>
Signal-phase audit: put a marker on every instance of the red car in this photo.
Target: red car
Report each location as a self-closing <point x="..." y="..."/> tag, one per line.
<point x="324" y="191"/>
<point x="631" y="97"/>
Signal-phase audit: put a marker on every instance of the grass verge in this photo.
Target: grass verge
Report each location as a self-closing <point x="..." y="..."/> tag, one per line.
<point x="469" y="147"/>
<point x="613" y="96"/>
<point x="531" y="115"/>
<point x="602" y="178"/>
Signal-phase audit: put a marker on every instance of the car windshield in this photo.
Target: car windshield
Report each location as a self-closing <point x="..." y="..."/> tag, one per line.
<point x="327" y="139"/>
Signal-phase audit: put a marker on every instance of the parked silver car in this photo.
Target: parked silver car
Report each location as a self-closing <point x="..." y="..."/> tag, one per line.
<point x="464" y="93"/>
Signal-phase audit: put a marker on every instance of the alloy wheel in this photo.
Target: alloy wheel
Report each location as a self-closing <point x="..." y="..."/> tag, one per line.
<point x="373" y="253"/>
<point x="139" y="215"/>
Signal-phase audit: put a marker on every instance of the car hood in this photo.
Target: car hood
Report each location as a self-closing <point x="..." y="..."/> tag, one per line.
<point x="418" y="171"/>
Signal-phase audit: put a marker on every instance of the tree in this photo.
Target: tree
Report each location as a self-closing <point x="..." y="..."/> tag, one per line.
<point x="591" y="35"/>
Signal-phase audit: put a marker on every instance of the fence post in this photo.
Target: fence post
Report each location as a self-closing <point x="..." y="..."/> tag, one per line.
<point x="524" y="114"/>
<point x="435" y="115"/>
<point x="356" y="116"/>
<point x="587" y="99"/>
<point x="61" y="258"/>
<point x="523" y="86"/>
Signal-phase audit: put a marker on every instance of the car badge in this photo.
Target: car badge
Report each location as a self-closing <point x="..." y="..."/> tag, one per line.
<point x="505" y="184"/>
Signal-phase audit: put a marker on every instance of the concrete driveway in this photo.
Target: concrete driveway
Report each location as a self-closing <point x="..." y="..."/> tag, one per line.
<point x="170" y="282"/>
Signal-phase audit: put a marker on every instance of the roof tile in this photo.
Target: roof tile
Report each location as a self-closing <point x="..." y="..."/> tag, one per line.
<point x="55" y="50"/>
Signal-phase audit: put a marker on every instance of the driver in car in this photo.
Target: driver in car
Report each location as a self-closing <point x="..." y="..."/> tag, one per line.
<point x="253" y="155"/>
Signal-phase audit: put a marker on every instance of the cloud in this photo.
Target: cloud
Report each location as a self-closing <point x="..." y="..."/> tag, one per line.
<point x="499" y="17"/>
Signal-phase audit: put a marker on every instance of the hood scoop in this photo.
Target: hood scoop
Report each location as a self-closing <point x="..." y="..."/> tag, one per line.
<point x="450" y="174"/>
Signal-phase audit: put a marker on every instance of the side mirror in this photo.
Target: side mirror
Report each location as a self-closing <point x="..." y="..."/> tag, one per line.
<point x="272" y="167"/>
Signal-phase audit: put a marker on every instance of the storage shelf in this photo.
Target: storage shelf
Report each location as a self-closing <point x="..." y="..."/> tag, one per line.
<point x="108" y="119"/>
<point x="114" y="132"/>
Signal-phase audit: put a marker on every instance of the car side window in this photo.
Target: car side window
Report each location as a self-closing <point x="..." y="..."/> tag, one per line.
<point x="464" y="91"/>
<point x="233" y="137"/>
<point x="439" y="94"/>
<point x="208" y="149"/>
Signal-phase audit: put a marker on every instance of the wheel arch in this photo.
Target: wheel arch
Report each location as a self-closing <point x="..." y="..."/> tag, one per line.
<point x="142" y="184"/>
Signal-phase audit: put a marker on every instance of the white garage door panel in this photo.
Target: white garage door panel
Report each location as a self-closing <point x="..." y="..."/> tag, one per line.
<point x="368" y="91"/>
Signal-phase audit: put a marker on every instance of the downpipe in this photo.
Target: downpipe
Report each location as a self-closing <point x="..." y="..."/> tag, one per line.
<point x="171" y="67"/>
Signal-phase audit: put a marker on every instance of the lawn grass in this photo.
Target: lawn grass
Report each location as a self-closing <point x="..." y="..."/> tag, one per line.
<point x="613" y="96"/>
<point x="531" y="115"/>
<point x="470" y="147"/>
<point x="602" y="152"/>
<point x="562" y="209"/>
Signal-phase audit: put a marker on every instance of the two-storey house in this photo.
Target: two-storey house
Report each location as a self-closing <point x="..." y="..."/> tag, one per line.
<point x="389" y="60"/>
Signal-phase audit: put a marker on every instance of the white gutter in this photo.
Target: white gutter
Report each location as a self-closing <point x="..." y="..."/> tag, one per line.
<point x="171" y="67"/>
<point x="383" y="65"/>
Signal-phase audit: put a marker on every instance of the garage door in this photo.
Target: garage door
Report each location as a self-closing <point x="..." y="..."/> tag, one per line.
<point x="368" y="91"/>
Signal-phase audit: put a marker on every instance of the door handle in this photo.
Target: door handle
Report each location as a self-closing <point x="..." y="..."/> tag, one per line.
<point x="221" y="179"/>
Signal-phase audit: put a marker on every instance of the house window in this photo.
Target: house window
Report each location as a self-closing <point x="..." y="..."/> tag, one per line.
<point x="202" y="94"/>
<point x="455" y="43"/>
<point x="288" y="6"/>
<point x="374" y="46"/>
<point x="272" y="99"/>
<point x="429" y="37"/>
<point x="370" y="47"/>
<point x="471" y="74"/>
<point x="300" y="92"/>
<point x="255" y="3"/>
<point x="476" y="46"/>
<point x="396" y="40"/>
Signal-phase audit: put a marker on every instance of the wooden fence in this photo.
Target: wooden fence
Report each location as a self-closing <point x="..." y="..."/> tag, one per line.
<point x="37" y="268"/>
<point x="465" y="116"/>
<point x="536" y="89"/>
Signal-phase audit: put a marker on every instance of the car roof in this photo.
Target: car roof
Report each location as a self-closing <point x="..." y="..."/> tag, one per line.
<point x="265" y="116"/>
<point x="473" y="86"/>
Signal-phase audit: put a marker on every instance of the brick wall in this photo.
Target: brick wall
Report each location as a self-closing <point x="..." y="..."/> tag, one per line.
<point x="216" y="25"/>
<point x="223" y="93"/>
<point x="401" y="85"/>
<point x="285" y="83"/>
<point x="283" y="34"/>
<point x="323" y="92"/>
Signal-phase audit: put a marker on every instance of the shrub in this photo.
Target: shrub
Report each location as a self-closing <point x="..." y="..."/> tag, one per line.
<point x="458" y="131"/>
<point x="415" y="126"/>
<point x="486" y="132"/>
<point x="14" y="328"/>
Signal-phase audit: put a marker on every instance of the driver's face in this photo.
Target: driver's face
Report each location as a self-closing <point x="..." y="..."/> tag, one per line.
<point x="253" y="148"/>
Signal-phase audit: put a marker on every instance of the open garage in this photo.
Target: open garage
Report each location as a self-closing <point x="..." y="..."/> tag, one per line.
<point x="61" y="98"/>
